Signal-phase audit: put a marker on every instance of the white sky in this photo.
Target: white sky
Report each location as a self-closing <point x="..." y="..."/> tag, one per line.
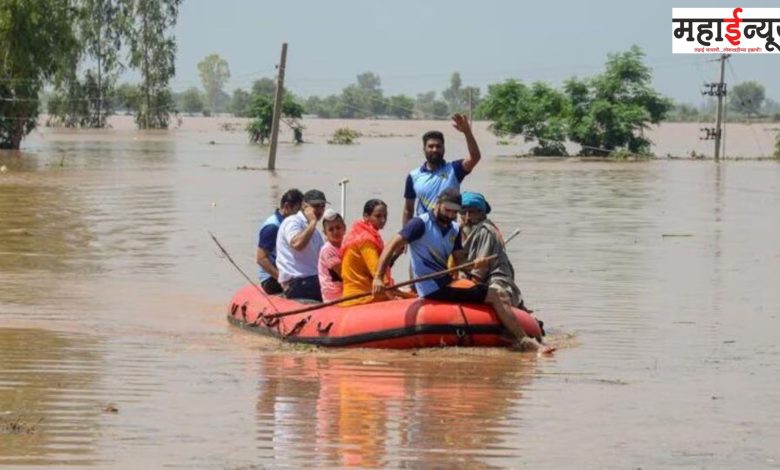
<point x="415" y="46"/>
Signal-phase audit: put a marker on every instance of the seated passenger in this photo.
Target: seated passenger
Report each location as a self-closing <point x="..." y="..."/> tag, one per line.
<point x="329" y="265"/>
<point x="360" y="252"/>
<point x="298" y="247"/>
<point x="266" y="243"/>
<point x="481" y="238"/>
<point x="432" y="238"/>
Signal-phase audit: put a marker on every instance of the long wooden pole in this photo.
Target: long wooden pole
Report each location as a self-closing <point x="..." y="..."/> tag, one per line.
<point x="366" y="294"/>
<point x="278" y="98"/>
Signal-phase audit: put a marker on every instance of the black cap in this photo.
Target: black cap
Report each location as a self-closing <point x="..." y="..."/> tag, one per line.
<point x="314" y="196"/>
<point x="451" y="196"/>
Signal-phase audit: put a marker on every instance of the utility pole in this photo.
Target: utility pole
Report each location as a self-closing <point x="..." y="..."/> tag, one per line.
<point x="278" y="96"/>
<point x="471" y="106"/>
<point x="721" y="93"/>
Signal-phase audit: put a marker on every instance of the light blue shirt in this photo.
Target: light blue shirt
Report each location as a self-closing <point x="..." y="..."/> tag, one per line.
<point x="293" y="263"/>
<point x="425" y="185"/>
<point x="430" y="247"/>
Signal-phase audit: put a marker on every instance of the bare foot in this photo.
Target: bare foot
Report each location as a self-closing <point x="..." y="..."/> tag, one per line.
<point x="527" y="344"/>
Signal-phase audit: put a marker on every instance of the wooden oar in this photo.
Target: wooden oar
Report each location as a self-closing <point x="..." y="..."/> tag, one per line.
<point x="366" y="294"/>
<point x="230" y="259"/>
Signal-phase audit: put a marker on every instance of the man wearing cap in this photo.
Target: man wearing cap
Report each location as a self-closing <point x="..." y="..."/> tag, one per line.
<point x="481" y="238"/>
<point x="424" y="184"/>
<point x="266" y="243"/>
<point x="298" y="245"/>
<point x="432" y="238"/>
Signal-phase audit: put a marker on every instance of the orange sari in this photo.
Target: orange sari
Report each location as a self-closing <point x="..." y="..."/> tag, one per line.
<point x="360" y="251"/>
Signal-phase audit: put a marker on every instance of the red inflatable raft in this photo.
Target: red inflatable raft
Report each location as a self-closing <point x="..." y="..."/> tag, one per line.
<point x="395" y="324"/>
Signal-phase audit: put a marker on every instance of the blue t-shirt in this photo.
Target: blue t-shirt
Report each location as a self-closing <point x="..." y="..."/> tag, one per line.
<point x="430" y="246"/>
<point x="425" y="185"/>
<point x="266" y="240"/>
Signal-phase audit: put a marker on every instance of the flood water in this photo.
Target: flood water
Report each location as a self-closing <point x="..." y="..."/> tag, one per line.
<point x="658" y="279"/>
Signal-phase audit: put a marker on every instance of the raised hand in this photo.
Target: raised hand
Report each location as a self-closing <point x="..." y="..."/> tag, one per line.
<point x="309" y="213"/>
<point x="461" y="123"/>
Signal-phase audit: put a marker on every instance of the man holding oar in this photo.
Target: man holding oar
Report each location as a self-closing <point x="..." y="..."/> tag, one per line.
<point x="432" y="238"/>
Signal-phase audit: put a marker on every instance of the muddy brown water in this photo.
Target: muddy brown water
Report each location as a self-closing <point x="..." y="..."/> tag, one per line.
<point x="659" y="280"/>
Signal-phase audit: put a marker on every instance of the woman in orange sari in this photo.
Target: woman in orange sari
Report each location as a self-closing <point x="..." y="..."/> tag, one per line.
<point x="360" y="252"/>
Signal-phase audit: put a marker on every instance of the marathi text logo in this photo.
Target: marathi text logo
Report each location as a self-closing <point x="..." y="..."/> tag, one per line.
<point x="725" y="30"/>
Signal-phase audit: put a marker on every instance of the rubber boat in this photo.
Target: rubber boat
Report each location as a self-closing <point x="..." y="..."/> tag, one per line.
<point x="394" y="324"/>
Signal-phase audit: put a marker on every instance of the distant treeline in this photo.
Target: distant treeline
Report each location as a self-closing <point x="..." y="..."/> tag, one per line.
<point x="79" y="47"/>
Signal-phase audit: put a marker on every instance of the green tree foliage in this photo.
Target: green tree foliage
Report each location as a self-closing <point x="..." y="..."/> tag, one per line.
<point x="454" y="94"/>
<point x="328" y="107"/>
<point x="37" y="42"/>
<point x="431" y="108"/>
<point x="475" y="96"/>
<point x="538" y="113"/>
<point x="611" y="110"/>
<point x="261" y="112"/>
<point x="214" y="73"/>
<point x="264" y="86"/>
<point x="364" y="98"/>
<point x="192" y="101"/>
<point x="127" y="97"/>
<point x="400" y="106"/>
<point x="457" y="95"/>
<point x="104" y="27"/>
<point x="682" y="112"/>
<point x="82" y="104"/>
<point x="239" y="103"/>
<point x="152" y="52"/>
<point x="344" y="136"/>
<point x="747" y="98"/>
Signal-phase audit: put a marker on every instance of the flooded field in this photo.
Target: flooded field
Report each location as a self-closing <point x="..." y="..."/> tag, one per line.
<point x="658" y="280"/>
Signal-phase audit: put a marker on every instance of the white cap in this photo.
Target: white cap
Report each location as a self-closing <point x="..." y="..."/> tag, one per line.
<point x="330" y="214"/>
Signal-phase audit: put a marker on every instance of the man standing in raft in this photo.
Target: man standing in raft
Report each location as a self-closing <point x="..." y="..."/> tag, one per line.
<point x="424" y="184"/>
<point x="432" y="238"/>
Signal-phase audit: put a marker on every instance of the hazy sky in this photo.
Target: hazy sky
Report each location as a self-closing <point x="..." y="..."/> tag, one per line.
<point x="416" y="45"/>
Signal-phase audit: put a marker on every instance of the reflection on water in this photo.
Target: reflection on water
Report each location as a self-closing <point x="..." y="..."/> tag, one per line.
<point x="111" y="292"/>
<point x="409" y="411"/>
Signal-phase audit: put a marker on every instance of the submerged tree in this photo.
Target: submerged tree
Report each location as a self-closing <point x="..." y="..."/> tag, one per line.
<point x="747" y="98"/>
<point x="36" y="42"/>
<point x="537" y="112"/>
<point x="127" y="97"/>
<point x="239" y="103"/>
<point x="454" y="94"/>
<point x="105" y="25"/>
<point x="152" y="52"/>
<point x="262" y="111"/>
<point x="612" y="109"/>
<point x="85" y="101"/>
<point x="214" y="73"/>
<point x="191" y="101"/>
